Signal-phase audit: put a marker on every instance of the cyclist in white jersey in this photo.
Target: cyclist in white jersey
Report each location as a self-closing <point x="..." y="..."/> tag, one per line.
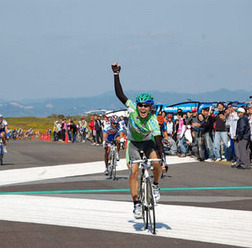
<point x="3" y="131"/>
<point x="143" y="133"/>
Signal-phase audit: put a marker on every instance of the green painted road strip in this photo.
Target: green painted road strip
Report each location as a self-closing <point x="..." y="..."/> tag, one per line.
<point x="118" y="190"/>
<point x="206" y="188"/>
<point x="65" y="191"/>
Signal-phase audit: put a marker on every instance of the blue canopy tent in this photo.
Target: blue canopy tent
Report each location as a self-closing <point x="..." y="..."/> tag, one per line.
<point x="189" y="106"/>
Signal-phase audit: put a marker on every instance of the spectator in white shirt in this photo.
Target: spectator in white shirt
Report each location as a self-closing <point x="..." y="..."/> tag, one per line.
<point x="170" y="125"/>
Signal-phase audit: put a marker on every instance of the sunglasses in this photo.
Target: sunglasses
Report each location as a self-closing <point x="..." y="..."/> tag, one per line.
<point x="143" y="105"/>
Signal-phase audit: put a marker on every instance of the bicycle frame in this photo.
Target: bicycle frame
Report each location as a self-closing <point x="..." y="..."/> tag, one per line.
<point x="145" y="164"/>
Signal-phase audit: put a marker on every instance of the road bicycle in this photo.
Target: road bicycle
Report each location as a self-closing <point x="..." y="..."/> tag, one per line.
<point x="113" y="159"/>
<point x="146" y="192"/>
<point x="1" y="151"/>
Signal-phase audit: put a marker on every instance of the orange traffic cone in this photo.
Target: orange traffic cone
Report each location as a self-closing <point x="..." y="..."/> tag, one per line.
<point x="66" y="138"/>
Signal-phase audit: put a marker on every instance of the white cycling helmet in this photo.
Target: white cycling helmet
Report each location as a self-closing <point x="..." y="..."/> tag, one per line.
<point x="1" y="116"/>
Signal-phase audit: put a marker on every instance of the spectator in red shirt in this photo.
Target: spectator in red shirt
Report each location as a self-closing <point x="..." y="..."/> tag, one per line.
<point x="92" y="128"/>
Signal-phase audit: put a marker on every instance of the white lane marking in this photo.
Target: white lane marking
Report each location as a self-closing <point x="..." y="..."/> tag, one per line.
<point x="228" y="227"/>
<point x="15" y="176"/>
<point x="51" y="172"/>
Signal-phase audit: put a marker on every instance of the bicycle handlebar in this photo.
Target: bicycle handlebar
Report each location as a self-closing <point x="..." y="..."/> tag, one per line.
<point x="112" y="142"/>
<point x="146" y="160"/>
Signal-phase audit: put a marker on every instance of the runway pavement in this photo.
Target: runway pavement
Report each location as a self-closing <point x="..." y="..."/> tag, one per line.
<point x="55" y="195"/>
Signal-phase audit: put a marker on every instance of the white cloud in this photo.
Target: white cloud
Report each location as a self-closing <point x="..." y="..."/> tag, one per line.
<point x="21" y="106"/>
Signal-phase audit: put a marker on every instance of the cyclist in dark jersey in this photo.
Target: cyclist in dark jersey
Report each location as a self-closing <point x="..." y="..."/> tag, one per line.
<point x="110" y="133"/>
<point x="143" y="134"/>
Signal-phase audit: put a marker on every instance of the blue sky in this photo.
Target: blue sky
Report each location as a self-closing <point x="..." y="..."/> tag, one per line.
<point x="64" y="48"/>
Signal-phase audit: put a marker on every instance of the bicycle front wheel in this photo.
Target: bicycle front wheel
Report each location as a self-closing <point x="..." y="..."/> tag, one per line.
<point x="114" y="169"/>
<point x="143" y="200"/>
<point x="150" y="207"/>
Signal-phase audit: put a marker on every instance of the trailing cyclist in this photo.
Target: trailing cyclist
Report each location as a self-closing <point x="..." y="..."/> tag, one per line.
<point x="143" y="135"/>
<point x="3" y="132"/>
<point x="110" y="133"/>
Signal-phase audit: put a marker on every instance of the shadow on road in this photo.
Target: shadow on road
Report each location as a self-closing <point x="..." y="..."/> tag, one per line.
<point x="140" y="226"/>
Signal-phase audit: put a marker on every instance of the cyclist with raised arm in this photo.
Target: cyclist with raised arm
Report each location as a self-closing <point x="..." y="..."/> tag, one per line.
<point x="143" y="135"/>
<point x="110" y="133"/>
<point x="3" y="131"/>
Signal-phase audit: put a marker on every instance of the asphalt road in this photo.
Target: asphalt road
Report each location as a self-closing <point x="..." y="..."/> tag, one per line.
<point x="202" y="204"/>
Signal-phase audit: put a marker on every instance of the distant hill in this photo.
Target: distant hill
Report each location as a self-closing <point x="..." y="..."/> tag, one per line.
<point x="108" y="100"/>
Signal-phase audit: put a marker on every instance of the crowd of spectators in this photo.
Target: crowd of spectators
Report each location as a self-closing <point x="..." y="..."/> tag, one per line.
<point x="222" y="134"/>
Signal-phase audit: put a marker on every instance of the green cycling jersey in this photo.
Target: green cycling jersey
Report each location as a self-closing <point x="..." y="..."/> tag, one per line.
<point x="140" y="129"/>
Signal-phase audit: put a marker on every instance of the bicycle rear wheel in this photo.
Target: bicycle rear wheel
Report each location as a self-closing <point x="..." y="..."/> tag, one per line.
<point x="150" y="208"/>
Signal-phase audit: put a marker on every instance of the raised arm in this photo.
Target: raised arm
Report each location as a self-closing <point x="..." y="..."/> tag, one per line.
<point x="118" y="88"/>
